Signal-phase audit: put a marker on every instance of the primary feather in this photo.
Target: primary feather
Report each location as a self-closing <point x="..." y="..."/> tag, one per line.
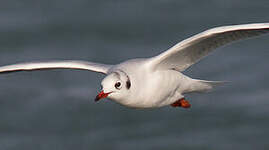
<point x="186" y="53"/>
<point x="64" y="64"/>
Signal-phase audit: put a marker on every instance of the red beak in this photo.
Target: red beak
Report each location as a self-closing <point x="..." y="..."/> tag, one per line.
<point x="101" y="95"/>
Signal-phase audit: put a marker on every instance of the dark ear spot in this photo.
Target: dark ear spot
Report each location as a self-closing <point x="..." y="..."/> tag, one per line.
<point x="128" y="84"/>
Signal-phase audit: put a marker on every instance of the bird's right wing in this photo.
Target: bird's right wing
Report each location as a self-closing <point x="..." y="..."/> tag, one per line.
<point x="59" y="64"/>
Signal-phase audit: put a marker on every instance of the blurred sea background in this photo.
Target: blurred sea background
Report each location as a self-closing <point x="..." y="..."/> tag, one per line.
<point x="55" y="110"/>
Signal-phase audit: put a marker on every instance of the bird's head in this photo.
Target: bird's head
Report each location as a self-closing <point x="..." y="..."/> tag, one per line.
<point x="115" y="86"/>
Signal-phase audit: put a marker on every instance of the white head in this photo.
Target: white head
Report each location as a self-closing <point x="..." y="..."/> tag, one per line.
<point x="115" y="86"/>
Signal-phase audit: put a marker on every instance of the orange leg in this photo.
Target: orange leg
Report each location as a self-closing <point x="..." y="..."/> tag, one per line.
<point x="181" y="103"/>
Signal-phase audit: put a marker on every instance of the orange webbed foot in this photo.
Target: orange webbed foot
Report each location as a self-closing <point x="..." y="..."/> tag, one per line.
<point x="181" y="103"/>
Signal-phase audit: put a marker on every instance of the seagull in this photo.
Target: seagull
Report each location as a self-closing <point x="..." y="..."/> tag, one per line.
<point x="156" y="81"/>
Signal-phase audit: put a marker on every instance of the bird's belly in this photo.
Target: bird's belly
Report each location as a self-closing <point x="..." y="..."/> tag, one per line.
<point x="154" y="101"/>
<point x="159" y="90"/>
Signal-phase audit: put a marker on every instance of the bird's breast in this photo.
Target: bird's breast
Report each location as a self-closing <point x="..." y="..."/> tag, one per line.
<point x="154" y="89"/>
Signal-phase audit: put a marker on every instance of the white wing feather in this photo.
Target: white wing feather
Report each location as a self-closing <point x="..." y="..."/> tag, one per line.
<point x="184" y="54"/>
<point x="64" y="64"/>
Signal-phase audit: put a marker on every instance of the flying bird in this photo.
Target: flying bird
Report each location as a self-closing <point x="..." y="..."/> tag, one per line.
<point x="157" y="81"/>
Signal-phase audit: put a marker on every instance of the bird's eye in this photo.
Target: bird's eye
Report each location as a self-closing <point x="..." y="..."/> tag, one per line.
<point x="118" y="85"/>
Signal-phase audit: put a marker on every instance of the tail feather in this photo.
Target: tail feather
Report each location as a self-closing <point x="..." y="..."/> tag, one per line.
<point x="204" y="86"/>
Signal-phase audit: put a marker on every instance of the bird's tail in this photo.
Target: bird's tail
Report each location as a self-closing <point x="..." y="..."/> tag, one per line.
<point x="204" y="86"/>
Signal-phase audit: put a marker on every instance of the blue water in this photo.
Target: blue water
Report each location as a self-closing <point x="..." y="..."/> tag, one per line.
<point x="55" y="110"/>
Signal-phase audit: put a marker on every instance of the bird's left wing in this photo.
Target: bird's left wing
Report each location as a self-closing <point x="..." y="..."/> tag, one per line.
<point x="61" y="64"/>
<point x="191" y="50"/>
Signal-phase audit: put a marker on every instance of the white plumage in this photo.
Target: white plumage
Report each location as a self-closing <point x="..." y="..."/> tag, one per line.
<point x="156" y="81"/>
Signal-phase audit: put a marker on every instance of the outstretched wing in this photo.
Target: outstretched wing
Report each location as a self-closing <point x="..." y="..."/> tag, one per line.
<point x="64" y="64"/>
<point x="191" y="50"/>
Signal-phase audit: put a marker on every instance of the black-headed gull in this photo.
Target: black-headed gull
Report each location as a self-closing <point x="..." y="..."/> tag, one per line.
<point x="156" y="81"/>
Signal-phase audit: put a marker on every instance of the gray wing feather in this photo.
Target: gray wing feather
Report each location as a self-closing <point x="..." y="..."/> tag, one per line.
<point x="64" y="64"/>
<point x="184" y="54"/>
